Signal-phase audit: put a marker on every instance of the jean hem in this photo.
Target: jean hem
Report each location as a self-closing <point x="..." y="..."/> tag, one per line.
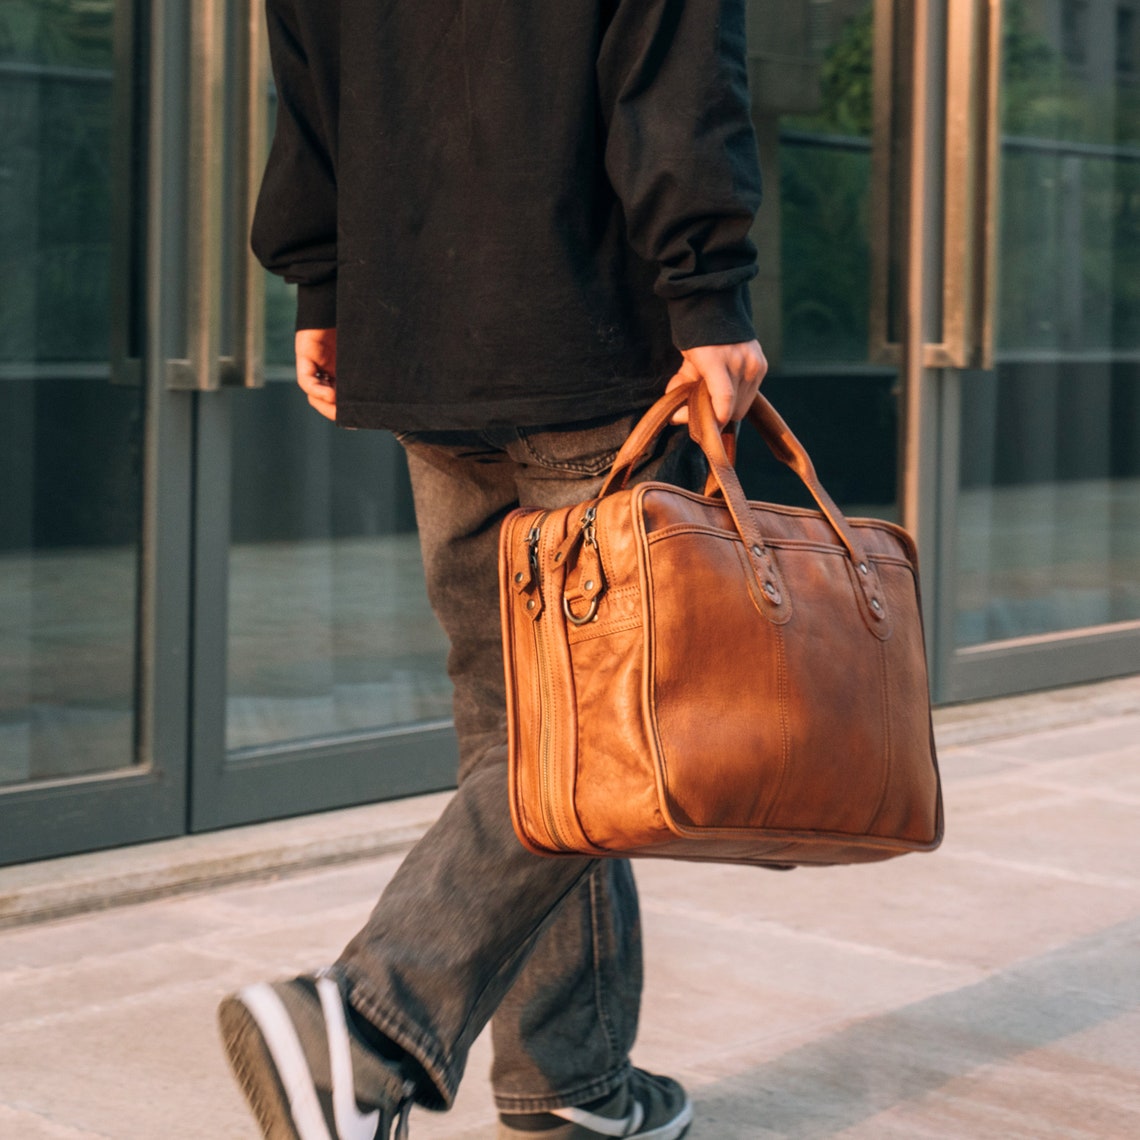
<point x="569" y="1098"/>
<point x="410" y="1037"/>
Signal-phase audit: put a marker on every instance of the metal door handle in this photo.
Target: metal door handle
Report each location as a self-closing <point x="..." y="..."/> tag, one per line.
<point x="964" y="334"/>
<point x="224" y="311"/>
<point x="245" y="366"/>
<point x="128" y="215"/>
<point x="973" y="68"/>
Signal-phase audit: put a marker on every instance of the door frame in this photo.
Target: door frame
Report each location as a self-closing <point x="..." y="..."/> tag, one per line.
<point x="948" y="296"/>
<point x="146" y="798"/>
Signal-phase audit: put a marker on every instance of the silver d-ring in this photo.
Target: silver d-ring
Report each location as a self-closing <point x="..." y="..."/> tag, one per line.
<point x="591" y="613"/>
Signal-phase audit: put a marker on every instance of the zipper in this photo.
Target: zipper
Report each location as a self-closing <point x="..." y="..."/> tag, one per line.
<point x="545" y="693"/>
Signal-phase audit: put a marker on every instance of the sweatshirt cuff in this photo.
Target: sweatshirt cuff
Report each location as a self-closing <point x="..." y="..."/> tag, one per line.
<point x="720" y="317"/>
<point x="316" y="305"/>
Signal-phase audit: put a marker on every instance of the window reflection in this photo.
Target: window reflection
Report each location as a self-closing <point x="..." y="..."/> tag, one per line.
<point x="1049" y="510"/>
<point x="70" y="441"/>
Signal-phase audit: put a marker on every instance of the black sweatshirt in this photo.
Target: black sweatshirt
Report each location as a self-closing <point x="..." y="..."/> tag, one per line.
<point x="513" y="211"/>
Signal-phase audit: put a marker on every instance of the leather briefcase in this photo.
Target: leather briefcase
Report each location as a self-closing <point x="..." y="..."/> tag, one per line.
<point x="699" y="677"/>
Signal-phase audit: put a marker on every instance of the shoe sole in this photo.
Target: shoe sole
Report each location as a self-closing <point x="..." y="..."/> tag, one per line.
<point x="253" y="1066"/>
<point x="673" y="1129"/>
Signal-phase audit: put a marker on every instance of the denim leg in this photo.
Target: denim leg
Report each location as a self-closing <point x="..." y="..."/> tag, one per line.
<point x="456" y="926"/>
<point x="563" y="1033"/>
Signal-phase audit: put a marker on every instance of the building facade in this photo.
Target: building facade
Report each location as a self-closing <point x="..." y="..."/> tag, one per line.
<point x="211" y="602"/>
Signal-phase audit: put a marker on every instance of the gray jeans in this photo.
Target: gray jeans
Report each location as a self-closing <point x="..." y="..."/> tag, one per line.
<point x="473" y="925"/>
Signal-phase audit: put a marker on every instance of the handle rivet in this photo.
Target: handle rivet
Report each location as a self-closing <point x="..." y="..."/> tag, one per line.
<point x="558" y="557"/>
<point x="863" y="568"/>
<point x="530" y="604"/>
<point x="757" y="551"/>
<point x="589" y="583"/>
<point x="519" y="576"/>
<point x="876" y="605"/>
<point x="770" y="589"/>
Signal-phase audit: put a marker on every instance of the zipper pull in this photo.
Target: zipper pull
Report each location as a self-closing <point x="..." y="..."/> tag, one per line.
<point x="530" y="584"/>
<point x="590" y="581"/>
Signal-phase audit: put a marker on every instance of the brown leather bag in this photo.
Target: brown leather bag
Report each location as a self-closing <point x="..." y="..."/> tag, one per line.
<point x="700" y="677"/>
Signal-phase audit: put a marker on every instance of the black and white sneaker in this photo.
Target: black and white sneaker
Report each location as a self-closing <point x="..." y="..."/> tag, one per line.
<point x="644" y="1108"/>
<point x="305" y="1070"/>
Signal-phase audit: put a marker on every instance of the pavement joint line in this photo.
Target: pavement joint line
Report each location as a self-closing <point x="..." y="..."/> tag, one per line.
<point x="769" y="927"/>
<point x="51" y="1128"/>
<point x="1042" y="870"/>
<point x="80" y="884"/>
<point x="221" y="983"/>
<point x="1072" y="792"/>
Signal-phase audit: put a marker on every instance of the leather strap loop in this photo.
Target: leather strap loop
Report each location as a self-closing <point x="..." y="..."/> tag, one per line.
<point x="706" y="433"/>
<point x="785" y="447"/>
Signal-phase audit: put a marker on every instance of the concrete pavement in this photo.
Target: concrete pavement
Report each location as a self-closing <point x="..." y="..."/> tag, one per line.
<point x="991" y="990"/>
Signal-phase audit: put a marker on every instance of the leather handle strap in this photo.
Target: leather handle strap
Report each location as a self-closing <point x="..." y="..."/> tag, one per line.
<point x="706" y="433"/>
<point x="642" y="438"/>
<point x="784" y="445"/>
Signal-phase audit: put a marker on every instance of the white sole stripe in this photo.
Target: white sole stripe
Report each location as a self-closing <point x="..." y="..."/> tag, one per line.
<point x="281" y="1037"/>
<point x="607" y="1126"/>
<point x="674" y="1128"/>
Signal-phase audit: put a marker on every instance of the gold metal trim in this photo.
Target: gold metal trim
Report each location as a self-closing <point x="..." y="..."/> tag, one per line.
<point x="198" y="370"/>
<point x="883" y="348"/>
<point x="969" y="192"/>
<point x="219" y="202"/>
<point x="126" y="211"/>
<point x="246" y="368"/>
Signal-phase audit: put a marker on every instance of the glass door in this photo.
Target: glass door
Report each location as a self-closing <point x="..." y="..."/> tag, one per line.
<point x="320" y="675"/>
<point x="91" y="752"/>
<point x="1044" y="522"/>
<point x="812" y="73"/>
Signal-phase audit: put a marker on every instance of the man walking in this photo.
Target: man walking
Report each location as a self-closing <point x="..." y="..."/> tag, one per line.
<point x="510" y="224"/>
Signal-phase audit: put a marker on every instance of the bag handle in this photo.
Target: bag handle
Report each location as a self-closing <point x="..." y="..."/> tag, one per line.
<point x="784" y="445"/>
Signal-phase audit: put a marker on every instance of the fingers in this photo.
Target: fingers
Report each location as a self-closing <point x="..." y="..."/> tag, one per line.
<point x="326" y="407"/>
<point x="754" y="368"/>
<point x="320" y="388"/>
<point x="722" y="386"/>
<point x="687" y="373"/>
<point x="316" y="368"/>
<point x="732" y="374"/>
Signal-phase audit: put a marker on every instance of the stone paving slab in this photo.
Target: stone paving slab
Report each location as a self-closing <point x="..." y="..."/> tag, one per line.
<point x="990" y="991"/>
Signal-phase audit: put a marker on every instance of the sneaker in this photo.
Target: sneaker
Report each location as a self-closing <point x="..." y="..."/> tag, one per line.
<point x="644" y="1108"/>
<point x="306" y="1072"/>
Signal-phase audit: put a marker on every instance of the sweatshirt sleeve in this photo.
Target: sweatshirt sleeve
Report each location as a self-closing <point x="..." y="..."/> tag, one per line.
<point x="294" y="230"/>
<point x="681" y="156"/>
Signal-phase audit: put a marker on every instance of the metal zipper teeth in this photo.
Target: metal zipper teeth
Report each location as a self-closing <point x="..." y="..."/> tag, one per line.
<point x="545" y="701"/>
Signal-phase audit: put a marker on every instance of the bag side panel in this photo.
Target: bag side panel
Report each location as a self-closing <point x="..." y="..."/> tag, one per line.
<point x="524" y="701"/>
<point x="616" y="794"/>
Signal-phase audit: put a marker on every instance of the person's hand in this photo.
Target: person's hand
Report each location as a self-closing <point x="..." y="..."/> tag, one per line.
<point x="316" y="368"/>
<point x="732" y="374"/>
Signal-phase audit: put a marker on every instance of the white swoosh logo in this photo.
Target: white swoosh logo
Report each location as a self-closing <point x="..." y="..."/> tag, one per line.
<point x="604" y="1125"/>
<point x="351" y="1123"/>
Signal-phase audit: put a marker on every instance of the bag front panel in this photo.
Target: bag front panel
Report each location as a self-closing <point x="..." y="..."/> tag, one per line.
<point x="798" y="732"/>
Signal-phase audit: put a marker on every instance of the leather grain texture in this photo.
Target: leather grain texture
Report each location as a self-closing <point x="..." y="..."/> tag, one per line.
<point x="699" y="677"/>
